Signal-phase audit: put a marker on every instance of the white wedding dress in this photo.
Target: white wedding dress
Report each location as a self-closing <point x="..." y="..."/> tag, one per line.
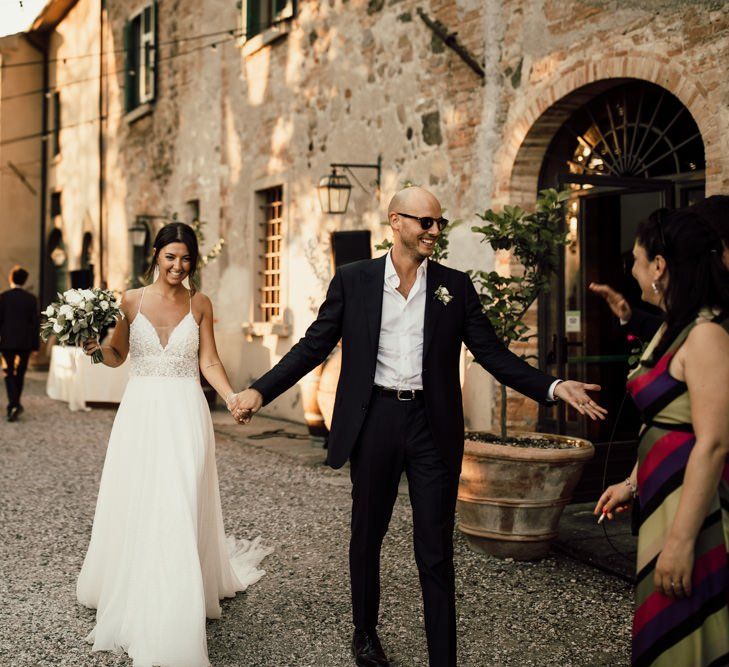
<point x="159" y="561"/>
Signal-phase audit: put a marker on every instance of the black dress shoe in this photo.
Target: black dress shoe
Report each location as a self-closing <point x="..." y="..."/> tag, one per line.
<point x="367" y="650"/>
<point x="13" y="414"/>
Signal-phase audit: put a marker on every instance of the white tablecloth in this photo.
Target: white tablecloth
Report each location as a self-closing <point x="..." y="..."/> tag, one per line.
<point x="74" y="379"/>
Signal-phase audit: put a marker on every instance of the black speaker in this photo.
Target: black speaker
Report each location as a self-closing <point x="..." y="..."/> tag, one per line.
<point x="82" y="278"/>
<point x="348" y="247"/>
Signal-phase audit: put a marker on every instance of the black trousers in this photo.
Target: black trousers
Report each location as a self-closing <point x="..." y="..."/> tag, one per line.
<point x="396" y="437"/>
<point x="16" y="363"/>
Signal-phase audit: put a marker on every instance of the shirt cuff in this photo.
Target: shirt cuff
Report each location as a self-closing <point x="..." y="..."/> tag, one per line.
<point x="550" y="393"/>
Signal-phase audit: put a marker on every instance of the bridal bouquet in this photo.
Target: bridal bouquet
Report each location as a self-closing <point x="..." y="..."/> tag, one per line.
<point x="80" y="314"/>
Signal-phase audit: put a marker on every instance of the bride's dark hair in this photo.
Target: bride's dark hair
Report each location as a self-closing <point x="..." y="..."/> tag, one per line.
<point x="176" y="232"/>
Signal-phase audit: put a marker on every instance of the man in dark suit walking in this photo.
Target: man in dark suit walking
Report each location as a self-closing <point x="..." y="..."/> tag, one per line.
<point x="402" y="320"/>
<point x="19" y="330"/>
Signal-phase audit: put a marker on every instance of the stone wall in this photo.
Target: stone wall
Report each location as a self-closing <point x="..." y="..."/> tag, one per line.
<point x="74" y="70"/>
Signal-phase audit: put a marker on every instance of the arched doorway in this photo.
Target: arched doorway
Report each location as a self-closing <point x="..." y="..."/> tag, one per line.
<point x="627" y="149"/>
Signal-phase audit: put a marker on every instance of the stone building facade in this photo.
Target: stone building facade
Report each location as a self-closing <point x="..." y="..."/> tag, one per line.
<point x="226" y="123"/>
<point x="20" y="157"/>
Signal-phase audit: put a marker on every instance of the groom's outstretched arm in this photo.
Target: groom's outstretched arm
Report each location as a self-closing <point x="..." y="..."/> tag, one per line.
<point x="509" y="369"/>
<point x="318" y="341"/>
<point x="513" y="371"/>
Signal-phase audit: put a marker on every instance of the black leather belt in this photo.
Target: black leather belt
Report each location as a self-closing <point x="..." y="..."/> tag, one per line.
<point x="399" y="394"/>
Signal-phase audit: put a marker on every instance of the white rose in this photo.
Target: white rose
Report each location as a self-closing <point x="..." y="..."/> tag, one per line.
<point x="88" y="294"/>
<point x="66" y="311"/>
<point x="57" y="328"/>
<point x="49" y="311"/>
<point x="104" y="305"/>
<point x="73" y="297"/>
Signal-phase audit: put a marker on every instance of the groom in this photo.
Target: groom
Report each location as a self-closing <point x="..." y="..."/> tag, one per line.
<point x="402" y="320"/>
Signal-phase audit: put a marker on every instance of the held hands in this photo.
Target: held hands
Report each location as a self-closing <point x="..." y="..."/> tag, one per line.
<point x="575" y="393"/>
<point x="616" y="301"/>
<point x="244" y="405"/>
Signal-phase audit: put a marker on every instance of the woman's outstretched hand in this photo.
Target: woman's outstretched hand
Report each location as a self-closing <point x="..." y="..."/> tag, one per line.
<point x="620" y="307"/>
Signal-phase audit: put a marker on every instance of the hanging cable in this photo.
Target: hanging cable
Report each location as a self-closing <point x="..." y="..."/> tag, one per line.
<point x="234" y="34"/>
<point x="97" y="54"/>
<point x="604" y="475"/>
<point x="123" y="113"/>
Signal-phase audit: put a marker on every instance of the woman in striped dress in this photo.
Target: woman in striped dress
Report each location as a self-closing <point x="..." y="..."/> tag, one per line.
<point x="681" y="479"/>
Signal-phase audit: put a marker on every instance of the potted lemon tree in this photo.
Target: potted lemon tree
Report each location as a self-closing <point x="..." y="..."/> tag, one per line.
<point x="514" y="487"/>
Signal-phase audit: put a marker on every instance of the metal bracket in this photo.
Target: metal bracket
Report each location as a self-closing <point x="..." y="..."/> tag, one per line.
<point x="450" y="39"/>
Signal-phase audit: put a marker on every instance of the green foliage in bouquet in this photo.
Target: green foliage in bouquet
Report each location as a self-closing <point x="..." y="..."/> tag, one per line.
<point x="534" y="240"/>
<point x="78" y="315"/>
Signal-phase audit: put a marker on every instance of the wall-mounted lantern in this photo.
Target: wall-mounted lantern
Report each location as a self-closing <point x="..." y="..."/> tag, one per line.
<point x="138" y="232"/>
<point x="139" y="235"/>
<point x="334" y="189"/>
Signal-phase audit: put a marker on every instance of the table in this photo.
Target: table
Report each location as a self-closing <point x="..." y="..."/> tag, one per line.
<point x="73" y="378"/>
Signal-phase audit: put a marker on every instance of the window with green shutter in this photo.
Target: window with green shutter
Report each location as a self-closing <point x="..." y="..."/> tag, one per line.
<point x="262" y="14"/>
<point x="140" y="47"/>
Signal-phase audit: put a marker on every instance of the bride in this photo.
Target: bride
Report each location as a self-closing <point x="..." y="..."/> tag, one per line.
<point x="159" y="562"/>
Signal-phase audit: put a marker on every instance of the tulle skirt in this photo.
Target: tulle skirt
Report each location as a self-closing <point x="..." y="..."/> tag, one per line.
<point x="159" y="561"/>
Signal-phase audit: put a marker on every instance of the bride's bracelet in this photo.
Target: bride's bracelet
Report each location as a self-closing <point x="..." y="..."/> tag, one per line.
<point x="633" y="488"/>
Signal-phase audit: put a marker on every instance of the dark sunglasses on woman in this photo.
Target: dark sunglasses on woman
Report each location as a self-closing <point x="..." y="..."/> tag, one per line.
<point x="426" y="222"/>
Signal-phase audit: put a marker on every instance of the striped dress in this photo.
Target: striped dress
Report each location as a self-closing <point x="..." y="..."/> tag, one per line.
<point x="693" y="632"/>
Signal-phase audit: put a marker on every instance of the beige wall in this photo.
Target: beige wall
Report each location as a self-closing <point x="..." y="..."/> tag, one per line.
<point x="74" y="172"/>
<point x="20" y="115"/>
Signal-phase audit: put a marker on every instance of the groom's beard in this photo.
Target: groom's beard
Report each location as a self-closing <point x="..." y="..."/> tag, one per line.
<point x="417" y="250"/>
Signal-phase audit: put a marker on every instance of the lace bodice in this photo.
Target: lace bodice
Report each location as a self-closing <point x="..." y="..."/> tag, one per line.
<point x="179" y="358"/>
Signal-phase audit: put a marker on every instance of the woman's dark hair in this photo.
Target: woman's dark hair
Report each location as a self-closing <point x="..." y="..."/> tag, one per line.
<point x="697" y="277"/>
<point x="715" y="210"/>
<point x="176" y="232"/>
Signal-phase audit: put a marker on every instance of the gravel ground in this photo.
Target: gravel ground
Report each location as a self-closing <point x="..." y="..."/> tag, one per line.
<point x="555" y="612"/>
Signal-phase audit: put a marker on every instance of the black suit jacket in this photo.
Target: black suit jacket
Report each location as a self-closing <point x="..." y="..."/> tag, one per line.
<point x="19" y="320"/>
<point x="352" y="311"/>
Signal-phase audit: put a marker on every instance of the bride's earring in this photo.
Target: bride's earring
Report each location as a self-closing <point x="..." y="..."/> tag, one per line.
<point x="655" y="288"/>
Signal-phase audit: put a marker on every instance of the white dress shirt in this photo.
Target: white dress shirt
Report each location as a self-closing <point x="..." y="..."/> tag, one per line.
<point x="400" y="351"/>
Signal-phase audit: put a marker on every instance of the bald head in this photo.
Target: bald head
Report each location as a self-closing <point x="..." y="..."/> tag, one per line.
<point x="415" y="200"/>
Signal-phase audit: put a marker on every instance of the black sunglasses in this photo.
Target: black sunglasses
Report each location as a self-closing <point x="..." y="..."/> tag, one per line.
<point x="427" y="222"/>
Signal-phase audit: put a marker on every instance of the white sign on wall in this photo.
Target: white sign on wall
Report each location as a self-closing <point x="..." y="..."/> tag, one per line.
<point x="573" y="321"/>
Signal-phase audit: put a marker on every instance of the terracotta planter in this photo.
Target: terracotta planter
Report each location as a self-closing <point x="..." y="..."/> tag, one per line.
<point x="309" y="396"/>
<point x="328" y="385"/>
<point x="510" y="499"/>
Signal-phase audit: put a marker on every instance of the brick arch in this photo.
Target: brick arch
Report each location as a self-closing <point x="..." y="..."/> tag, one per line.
<point x="535" y="120"/>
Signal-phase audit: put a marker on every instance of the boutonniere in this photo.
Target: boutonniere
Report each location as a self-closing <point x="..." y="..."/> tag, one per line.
<point x="443" y="295"/>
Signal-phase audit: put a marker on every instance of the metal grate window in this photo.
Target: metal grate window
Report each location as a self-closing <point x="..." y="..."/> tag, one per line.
<point x="270" y="258"/>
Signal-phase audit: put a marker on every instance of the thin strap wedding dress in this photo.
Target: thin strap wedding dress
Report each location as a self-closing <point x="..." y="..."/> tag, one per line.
<point x="159" y="562"/>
